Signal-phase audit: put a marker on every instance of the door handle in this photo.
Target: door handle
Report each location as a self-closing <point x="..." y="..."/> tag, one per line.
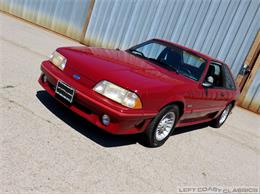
<point x="222" y="94"/>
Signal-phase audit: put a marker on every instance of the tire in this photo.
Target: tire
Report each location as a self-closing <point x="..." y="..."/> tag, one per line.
<point x="161" y="126"/>
<point x="220" y="120"/>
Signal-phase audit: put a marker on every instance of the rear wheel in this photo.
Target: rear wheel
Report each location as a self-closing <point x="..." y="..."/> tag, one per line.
<point x="162" y="126"/>
<point x="220" y="120"/>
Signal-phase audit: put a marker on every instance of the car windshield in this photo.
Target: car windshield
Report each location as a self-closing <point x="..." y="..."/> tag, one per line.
<point x="171" y="57"/>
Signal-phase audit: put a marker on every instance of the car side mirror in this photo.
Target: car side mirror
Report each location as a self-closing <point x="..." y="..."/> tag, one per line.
<point x="245" y="70"/>
<point x="209" y="82"/>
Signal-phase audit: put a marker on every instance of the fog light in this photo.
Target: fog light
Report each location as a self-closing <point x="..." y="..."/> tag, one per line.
<point x="44" y="78"/>
<point x="105" y="119"/>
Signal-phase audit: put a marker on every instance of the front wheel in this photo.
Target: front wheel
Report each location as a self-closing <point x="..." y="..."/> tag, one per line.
<point x="162" y="126"/>
<point x="220" y="120"/>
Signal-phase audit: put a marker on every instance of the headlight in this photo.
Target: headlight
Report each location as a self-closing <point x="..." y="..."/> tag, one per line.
<point x="58" y="60"/>
<point x="118" y="94"/>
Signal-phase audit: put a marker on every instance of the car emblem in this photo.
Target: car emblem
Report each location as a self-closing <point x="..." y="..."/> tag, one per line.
<point x="76" y="76"/>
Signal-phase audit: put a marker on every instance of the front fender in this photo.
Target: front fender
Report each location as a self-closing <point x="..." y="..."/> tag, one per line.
<point x="173" y="99"/>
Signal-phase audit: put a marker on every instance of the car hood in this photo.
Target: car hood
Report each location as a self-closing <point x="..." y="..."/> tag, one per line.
<point x="119" y="67"/>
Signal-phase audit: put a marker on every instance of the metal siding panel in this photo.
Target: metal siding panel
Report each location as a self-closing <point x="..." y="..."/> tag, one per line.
<point x="247" y="41"/>
<point x="129" y="10"/>
<point x="100" y="23"/>
<point x="41" y="19"/>
<point x="252" y="97"/>
<point x="255" y="103"/>
<point x="158" y="26"/>
<point x="213" y="31"/>
<point x="105" y="10"/>
<point x="233" y="29"/>
<point x="78" y="16"/>
<point x="111" y="25"/>
<point x="116" y="27"/>
<point x="3" y="5"/>
<point x="203" y="33"/>
<point x="11" y="7"/>
<point x="153" y="11"/>
<point x="34" y="10"/>
<point x="137" y="20"/>
<point x="241" y="33"/>
<point x="182" y="19"/>
<point x="223" y="29"/>
<point x="63" y="16"/>
<point x="197" y="25"/>
<point x="127" y="15"/>
<point x="174" y="17"/>
<point x="141" y="19"/>
<point x="187" y="27"/>
<point x="93" y="22"/>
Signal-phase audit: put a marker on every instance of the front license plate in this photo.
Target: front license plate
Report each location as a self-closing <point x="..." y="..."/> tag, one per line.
<point x="65" y="91"/>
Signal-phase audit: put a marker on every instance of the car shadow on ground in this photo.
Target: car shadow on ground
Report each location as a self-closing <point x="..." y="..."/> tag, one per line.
<point x="92" y="132"/>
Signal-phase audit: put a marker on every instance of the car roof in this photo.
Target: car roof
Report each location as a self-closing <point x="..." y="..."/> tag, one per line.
<point x="209" y="58"/>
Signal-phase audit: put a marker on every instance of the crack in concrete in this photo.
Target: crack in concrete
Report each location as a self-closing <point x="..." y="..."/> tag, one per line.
<point x="23" y="47"/>
<point x="8" y="86"/>
<point x="256" y="150"/>
<point x="28" y="110"/>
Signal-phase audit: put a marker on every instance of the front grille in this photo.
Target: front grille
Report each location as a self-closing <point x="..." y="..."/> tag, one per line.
<point x="82" y="108"/>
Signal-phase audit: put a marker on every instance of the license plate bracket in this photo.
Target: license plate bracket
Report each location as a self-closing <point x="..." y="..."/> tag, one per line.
<point x="65" y="91"/>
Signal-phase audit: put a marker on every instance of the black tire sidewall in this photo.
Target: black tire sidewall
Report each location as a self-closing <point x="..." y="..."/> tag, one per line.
<point x="150" y="131"/>
<point x="216" y="123"/>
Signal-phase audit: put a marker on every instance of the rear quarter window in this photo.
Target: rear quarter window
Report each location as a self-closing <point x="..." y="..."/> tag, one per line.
<point x="229" y="82"/>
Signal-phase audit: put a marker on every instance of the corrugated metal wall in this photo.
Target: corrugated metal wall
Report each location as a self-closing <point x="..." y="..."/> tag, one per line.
<point x="252" y="98"/>
<point x="224" y="29"/>
<point x="221" y="28"/>
<point x="63" y="16"/>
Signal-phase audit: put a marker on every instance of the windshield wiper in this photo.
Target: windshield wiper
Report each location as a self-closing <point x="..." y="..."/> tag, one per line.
<point x="160" y="62"/>
<point x="164" y="64"/>
<point x="137" y="52"/>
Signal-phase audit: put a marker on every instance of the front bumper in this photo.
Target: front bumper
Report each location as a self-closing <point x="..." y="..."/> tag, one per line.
<point x="93" y="106"/>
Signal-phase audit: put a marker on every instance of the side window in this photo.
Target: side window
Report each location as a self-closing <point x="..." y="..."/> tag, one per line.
<point x="229" y="82"/>
<point x="193" y="66"/>
<point x="216" y="72"/>
<point x="192" y="60"/>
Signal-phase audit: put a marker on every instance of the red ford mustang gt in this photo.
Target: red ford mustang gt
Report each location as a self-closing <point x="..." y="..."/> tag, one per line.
<point x="150" y="88"/>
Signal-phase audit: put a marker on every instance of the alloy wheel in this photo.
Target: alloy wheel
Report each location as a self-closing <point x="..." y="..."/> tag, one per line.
<point x="165" y="126"/>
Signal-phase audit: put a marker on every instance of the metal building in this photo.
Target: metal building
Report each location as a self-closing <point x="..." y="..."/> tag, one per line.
<point x="225" y="29"/>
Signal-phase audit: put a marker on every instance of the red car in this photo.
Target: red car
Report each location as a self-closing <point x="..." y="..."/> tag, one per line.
<point x="150" y="88"/>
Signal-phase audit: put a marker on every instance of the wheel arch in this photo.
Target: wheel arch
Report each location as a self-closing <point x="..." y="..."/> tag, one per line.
<point x="179" y="103"/>
<point x="233" y="103"/>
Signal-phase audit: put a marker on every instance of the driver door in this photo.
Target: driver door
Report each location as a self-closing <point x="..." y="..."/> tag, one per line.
<point x="215" y="95"/>
<point x="208" y="100"/>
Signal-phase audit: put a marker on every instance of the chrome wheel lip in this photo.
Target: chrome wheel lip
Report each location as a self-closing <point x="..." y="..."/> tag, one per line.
<point x="224" y="115"/>
<point x="165" y="126"/>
